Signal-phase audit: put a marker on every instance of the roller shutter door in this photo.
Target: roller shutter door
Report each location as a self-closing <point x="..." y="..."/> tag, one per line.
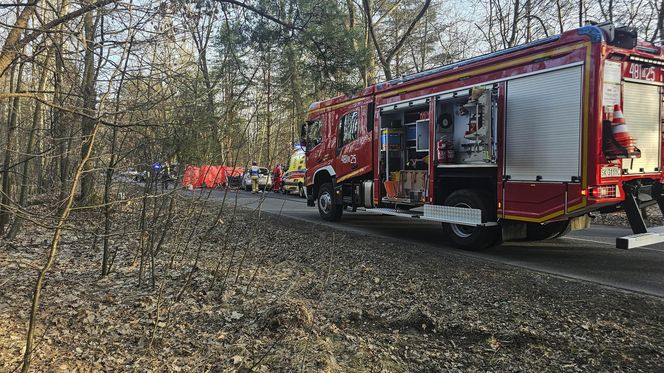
<point x="543" y="126"/>
<point x="641" y="106"/>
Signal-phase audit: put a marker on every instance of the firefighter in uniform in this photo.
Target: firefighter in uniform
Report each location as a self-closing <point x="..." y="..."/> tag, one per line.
<point x="253" y="173"/>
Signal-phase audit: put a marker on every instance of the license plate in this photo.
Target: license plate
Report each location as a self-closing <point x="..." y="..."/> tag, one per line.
<point x="610" y="172"/>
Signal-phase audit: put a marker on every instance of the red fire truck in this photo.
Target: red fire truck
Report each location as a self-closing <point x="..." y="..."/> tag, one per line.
<point x="519" y="144"/>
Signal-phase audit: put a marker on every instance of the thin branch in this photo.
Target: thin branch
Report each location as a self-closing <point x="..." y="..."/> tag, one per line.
<point x="261" y="13"/>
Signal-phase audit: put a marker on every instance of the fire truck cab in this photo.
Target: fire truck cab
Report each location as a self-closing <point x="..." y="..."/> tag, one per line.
<point x="523" y="143"/>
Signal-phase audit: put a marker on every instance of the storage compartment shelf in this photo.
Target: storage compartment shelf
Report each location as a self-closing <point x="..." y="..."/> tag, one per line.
<point x="466" y="165"/>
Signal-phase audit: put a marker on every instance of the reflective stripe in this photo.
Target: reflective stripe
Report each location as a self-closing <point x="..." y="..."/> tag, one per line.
<point x="619" y="128"/>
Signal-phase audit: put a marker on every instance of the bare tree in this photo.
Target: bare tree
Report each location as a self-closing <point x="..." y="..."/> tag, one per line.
<point x="385" y="57"/>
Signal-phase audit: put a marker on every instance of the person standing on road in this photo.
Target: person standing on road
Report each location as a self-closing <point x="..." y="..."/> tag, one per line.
<point x="277" y="174"/>
<point x="165" y="176"/>
<point x="253" y="173"/>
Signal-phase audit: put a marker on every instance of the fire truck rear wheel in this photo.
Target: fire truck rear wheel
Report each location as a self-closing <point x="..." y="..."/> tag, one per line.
<point x="327" y="209"/>
<point x="468" y="237"/>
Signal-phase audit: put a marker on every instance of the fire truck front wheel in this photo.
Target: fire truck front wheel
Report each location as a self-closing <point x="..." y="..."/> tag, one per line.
<point x="327" y="209"/>
<point x="469" y="237"/>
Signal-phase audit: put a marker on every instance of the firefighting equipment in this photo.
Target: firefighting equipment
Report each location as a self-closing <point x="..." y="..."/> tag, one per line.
<point x="621" y="133"/>
<point x="472" y="128"/>
<point x="445" y="150"/>
<point x="391" y="188"/>
<point x="445" y="120"/>
<point x="475" y="94"/>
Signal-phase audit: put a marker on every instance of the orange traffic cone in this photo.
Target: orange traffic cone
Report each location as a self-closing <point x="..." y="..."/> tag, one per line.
<point x="620" y="132"/>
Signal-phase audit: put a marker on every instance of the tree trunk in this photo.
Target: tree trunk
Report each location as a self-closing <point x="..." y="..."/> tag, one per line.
<point x="60" y="129"/>
<point x="369" y="75"/>
<point x="515" y="25"/>
<point x="611" y="11"/>
<point x="9" y="145"/>
<point x="560" y="17"/>
<point x="295" y="87"/>
<point x="52" y="253"/>
<point x="89" y="103"/>
<point x="660" y="22"/>
<point x="528" y="22"/>
<point x="11" y="46"/>
<point x="110" y="170"/>
<point x="201" y="40"/>
<point x="269" y="108"/>
<point x="27" y="156"/>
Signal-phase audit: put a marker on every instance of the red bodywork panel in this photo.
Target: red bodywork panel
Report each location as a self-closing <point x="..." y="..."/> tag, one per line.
<point x="342" y="162"/>
<point x="527" y="201"/>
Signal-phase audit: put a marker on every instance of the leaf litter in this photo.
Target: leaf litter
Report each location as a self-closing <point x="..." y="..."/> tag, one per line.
<point x="274" y="294"/>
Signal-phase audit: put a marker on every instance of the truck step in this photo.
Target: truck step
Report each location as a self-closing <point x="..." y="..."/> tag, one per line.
<point x="456" y="215"/>
<point x="395" y="212"/>
<point x="652" y="236"/>
<point x="443" y="214"/>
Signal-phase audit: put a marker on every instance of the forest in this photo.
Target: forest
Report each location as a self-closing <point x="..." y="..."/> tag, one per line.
<point x="90" y="89"/>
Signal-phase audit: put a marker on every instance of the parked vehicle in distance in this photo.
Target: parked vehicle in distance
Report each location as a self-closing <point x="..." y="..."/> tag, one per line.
<point x="130" y="173"/>
<point x="141" y="176"/>
<point x="293" y="179"/>
<point x="293" y="182"/>
<point x="264" y="179"/>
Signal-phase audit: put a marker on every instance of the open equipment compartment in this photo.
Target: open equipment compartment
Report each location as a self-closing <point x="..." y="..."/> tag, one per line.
<point x="466" y="124"/>
<point x="404" y="153"/>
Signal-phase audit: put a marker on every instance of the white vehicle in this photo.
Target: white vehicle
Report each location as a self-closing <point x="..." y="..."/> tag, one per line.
<point x="264" y="179"/>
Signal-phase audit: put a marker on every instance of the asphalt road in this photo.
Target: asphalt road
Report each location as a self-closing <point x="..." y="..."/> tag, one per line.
<point x="588" y="255"/>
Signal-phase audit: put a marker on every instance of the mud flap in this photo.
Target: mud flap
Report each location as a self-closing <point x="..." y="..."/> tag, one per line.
<point x="338" y="197"/>
<point x="311" y="201"/>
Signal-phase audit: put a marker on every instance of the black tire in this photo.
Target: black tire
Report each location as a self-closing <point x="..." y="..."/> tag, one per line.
<point x="247" y="188"/>
<point x="467" y="237"/>
<point x="327" y="209"/>
<point x="563" y="232"/>
<point x="538" y="232"/>
<point x="283" y="190"/>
